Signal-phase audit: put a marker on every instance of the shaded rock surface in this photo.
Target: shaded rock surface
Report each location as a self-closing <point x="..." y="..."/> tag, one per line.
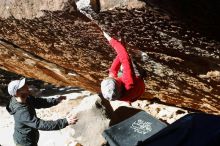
<point x="64" y="47"/>
<point x="203" y="16"/>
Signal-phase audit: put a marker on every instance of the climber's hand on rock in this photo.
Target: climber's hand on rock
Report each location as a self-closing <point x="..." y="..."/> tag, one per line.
<point x="71" y="119"/>
<point x="107" y="36"/>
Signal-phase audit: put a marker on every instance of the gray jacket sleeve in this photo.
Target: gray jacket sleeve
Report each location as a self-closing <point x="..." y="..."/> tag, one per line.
<point x="35" y="122"/>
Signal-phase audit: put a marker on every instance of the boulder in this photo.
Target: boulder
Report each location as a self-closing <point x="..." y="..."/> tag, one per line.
<point x="94" y="116"/>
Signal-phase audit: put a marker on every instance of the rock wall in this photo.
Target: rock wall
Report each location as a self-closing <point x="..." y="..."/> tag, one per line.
<point x="203" y="16"/>
<point x="30" y="9"/>
<point x="129" y="4"/>
<point x="64" y="47"/>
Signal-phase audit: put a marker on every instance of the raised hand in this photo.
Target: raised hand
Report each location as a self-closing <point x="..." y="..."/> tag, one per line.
<point x="107" y="36"/>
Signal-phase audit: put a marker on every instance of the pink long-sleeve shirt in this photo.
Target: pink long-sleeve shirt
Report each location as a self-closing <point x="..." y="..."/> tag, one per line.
<point x="134" y="86"/>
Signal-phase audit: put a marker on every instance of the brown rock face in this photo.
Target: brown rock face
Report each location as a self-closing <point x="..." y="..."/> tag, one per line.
<point x="203" y="16"/>
<point x="64" y="47"/>
<point x="110" y="4"/>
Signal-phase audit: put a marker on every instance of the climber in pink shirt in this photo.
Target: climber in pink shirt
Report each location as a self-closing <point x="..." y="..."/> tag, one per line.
<point x="127" y="87"/>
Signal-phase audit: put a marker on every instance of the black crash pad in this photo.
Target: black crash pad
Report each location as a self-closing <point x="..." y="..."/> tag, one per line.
<point x="133" y="130"/>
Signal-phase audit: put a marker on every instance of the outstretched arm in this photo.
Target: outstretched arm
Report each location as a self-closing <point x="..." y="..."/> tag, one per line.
<point x="127" y="76"/>
<point x="45" y="102"/>
<point x="37" y="123"/>
<point x="113" y="71"/>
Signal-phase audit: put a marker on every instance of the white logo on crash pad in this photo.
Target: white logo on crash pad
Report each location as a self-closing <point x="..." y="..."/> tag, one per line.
<point x="141" y="127"/>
